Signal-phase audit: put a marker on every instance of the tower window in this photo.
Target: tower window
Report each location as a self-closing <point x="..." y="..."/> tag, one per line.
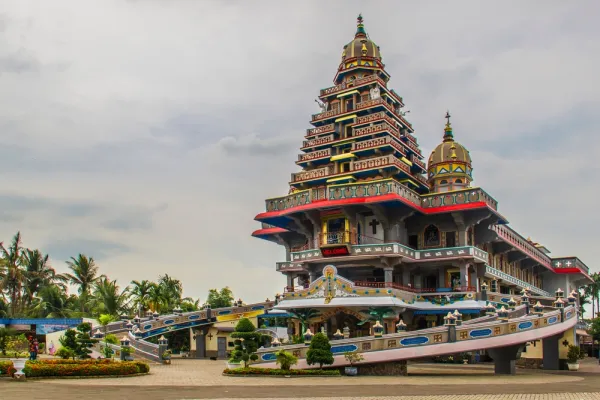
<point x="458" y="181"/>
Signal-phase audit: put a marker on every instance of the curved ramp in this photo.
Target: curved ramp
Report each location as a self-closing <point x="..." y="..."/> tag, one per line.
<point x="440" y="340"/>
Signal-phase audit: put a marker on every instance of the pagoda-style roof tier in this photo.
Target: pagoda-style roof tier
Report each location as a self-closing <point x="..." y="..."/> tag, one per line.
<point x="357" y="83"/>
<point x="386" y="191"/>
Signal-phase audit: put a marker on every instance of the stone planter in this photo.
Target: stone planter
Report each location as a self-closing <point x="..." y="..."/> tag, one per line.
<point x="167" y="361"/>
<point x="573" y="367"/>
<point x="232" y="365"/>
<point x="19" y="364"/>
<point x="351" y="371"/>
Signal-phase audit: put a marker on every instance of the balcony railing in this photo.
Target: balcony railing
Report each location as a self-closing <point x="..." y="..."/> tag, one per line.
<point x="314" y="155"/>
<point x="513" y="238"/>
<point x="354" y="84"/>
<point x="394" y="285"/>
<point x="312" y="174"/>
<point x="379" y="162"/>
<point x="381" y="127"/>
<point x="320" y="141"/>
<point x="319" y="130"/>
<point x="464" y="196"/>
<point x="377" y="142"/>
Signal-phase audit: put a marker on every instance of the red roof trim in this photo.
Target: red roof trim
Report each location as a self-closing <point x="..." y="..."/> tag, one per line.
<point x="368" y="200"/>
<point x="268" y="231"/>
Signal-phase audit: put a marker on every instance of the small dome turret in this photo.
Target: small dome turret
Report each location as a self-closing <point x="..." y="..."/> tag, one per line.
<point x="449" y="166"/>
<point x="361" y="51"/>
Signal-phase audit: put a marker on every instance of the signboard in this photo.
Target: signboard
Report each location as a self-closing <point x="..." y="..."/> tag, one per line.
<point x="46" y="329"/>
<point x="335" y="251"/>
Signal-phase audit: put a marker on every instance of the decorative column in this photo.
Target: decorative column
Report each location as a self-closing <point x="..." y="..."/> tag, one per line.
<point x="389" y="274"/>
<point x="312" y="276"/>
<point x="163" y="346"/>
<point x="450" y="322"/>
<point x="125" y="349"/>
<point x="484" y="289"/>
<point x="464" y="268"/>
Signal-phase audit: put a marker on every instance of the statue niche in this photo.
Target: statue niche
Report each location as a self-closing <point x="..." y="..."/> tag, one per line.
<point x="431" y="236"/>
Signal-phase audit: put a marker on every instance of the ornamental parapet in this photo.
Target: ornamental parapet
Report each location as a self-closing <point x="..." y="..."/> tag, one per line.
<point x="396" y="249"/>
<point x="472" y="336"/>
<point x="369" y="130"/>
<point x="316" y="173"/>
<point x="295" y="199"/>
<point x="517" y="241"/>
<point x="379" y="162"/>
<point x="314" y="155"/>
<point x="377" y="142"/>
<point x="286" y="266"/>
<point x="371" y="189"/>
<point x="320" y="130"/>
<point x="464" y="196"/>
<point x="415" y="160"/>
<point x="382" y="115"/>
<point x="496" y="273"/>
<point x="320" y="141"/>
<point x="354" y="84"/>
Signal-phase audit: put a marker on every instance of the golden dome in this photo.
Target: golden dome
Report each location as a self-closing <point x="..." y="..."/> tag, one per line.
<point x="361" y="46"/>
<point x="449" y="165"/>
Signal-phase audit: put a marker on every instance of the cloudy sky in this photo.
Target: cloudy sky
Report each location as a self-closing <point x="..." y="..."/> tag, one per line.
<point x="147" y="134"/>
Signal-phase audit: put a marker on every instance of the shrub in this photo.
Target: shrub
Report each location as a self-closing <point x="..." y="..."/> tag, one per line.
<point x="574" y="354"/>
<point x="111" y="338"/>
<point x="6" y="368"/>
<point x="83" y="368"/>
<point x="268" y="371"/>
<point x="65" y="353"/>
<point x="285" y="360"/>
<point x="5" y="334"/>
<point x="319" y="351"/>
<point x="353" y="357"/>
<point x="246" y="342"/>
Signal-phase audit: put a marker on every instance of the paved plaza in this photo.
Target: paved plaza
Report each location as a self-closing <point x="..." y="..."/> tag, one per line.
<point x="200" y="379"/>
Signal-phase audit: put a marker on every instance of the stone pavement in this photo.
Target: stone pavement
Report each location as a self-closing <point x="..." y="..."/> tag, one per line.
<point x="199" y="379"/>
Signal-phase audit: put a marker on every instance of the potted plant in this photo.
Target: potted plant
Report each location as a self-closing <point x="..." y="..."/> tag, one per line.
<point x="166" y="356"/>
<point x="185" y="351"/>
<point x="19" y="346"/>
<point x="573" y="357"/>
<point x="352" y="357"/>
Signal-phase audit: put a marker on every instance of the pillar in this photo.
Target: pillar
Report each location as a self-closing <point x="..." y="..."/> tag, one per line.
<point x="464" y="270"/>
<point x="290" y="280"/>
<point x="405" y="275"/>
<point x="312" y="275"/>
<point x="505" y="358"/>
<point x="550" y="351"/>
<point x="441" y="277"/>
<point x="200" y="337"/>
<point x="389" y="274"/>
<point x="462" y="236"/>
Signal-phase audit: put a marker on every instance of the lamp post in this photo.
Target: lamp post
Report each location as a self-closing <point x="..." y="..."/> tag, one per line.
<point x="308" y="335"/>
<point x="378" y="329"/>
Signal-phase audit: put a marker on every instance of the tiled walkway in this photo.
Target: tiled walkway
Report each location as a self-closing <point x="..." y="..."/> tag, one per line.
<point x="196" y="379"/>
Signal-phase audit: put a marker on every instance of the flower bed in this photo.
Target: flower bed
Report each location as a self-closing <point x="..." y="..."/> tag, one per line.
<point x="279" y="372"/>
<point x="59" y="368"/>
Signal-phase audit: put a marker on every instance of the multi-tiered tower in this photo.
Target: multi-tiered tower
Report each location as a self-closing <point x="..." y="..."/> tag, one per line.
<point x="418" y="246"/>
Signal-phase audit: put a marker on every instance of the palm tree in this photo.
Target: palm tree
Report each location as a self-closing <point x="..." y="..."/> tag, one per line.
<point x="172" y="290"/>
<point x="591" y="290"/>
<point x="12" y="275"/>
<point x="39" y="273"/>
<point x="52" y="302"/>
<point x="156" y="298"/>
<point x="112" y="300"/>
<point x="85" y="275"/>
<point x="140" y="293"/>
<point x="304" y="315"/>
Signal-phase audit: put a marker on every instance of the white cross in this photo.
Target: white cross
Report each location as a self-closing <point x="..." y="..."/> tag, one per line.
<point x="558" y="264"/>
<point x="568" y="263"/>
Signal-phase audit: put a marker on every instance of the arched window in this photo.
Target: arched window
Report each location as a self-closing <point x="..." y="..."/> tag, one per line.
<point x="443" y="182"/>
<point x="431" y="236"/>
<point x="458" y="181"/>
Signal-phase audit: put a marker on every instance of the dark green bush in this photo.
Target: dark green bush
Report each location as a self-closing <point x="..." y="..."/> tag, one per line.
<point x="268" y="371"/>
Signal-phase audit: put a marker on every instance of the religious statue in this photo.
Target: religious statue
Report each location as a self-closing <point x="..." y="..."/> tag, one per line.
<point x="375" y="94"/>
<point x="322" y="105"/>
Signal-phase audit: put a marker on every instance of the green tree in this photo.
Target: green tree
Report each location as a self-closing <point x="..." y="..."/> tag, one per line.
<point x="51" y="302"/>
<point x="39" y="274"/>
<point x="285" y="360"/>
<point x="84" y="341"/>
<point x="12" y="275"/>
<point x="246" y="341"/>
<point x="111" y="299"/>
<point x="69" y="339"/>
<point x="220" y="299"/>
<point x="304" y="315"/>
<point x="319" y="351"/>
<point x="5" y="335"/>
<point x="84" y="275"/>
<point x="140" y="295"/>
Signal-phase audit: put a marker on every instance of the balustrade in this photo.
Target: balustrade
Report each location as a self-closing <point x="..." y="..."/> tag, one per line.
<point x="312" y="174"/>
<point x="517" y="241"/>
<point x="319" y="130"/>
<point x="314" y="155"/>
<point x="317" y="141"/>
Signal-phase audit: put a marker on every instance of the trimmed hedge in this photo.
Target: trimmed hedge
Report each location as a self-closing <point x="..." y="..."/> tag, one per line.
<point x="58" y="368"/>
<point x="280" y="372"/>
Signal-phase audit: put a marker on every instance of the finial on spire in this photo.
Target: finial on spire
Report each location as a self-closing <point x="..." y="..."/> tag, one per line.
<point x="448" y="129"/>
<point x="360" y="28"/>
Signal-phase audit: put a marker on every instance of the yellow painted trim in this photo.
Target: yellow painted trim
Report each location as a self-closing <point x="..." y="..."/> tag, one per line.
<point x="347" y="93"/>
<point x="341" y="178"/>
<point x="343" y="156"/>
<point x="406" y="161"/>
<point x="233" y="317"/>
<point x="345" y="118"/>
<point x="409" y="181"/>
<point x="345" y="142"/>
